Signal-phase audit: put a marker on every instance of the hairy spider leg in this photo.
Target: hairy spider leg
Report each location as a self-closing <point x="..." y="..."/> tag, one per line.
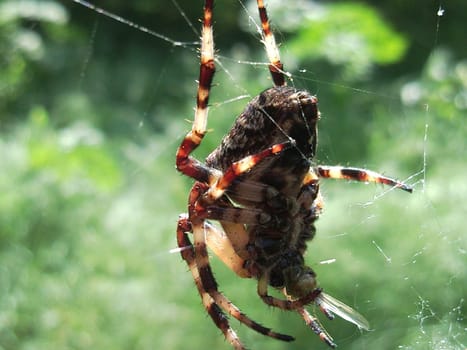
<point x="211" y="306"/>
<point x="186" y="164"/>
<point x="275" y="64"/>
<point x="362" y="175"/>
<point x="313" y="323"/>
<point x="206" y="278"/>
<point x="213" y="310"/>
<point x="240" y="167"/>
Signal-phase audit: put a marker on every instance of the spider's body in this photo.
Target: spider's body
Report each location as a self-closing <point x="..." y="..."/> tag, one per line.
<point x="260" y="185"/>
<point x="277" y="115"/>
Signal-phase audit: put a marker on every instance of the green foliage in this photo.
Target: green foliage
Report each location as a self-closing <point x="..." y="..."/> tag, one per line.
<point x="352" y="36"/>
<point x="52" y="182"/>
<point x="92" y="112"/>
<point x="23" y="46"/>
<point x="443" y="86"/>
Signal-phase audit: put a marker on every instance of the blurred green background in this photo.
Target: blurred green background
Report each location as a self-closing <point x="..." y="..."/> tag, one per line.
<point x="92" y="112"/>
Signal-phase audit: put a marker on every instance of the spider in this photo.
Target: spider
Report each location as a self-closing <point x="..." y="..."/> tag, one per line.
<point x="260" y="186"/>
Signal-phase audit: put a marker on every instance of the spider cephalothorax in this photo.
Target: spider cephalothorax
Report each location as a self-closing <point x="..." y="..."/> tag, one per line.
<point x="262" y="188"/>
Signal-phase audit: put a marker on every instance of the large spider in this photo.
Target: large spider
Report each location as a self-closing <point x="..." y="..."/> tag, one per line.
<point x="262" y="188"/>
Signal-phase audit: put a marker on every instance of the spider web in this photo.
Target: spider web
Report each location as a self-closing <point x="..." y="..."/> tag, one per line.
<point x="398" y="259"/>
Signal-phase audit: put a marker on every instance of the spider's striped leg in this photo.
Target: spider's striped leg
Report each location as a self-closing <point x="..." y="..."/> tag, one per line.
<point x="239" y="168"/>
<point x="316" y="327"/>
<point x="210" y="286"/>
<point x="214" y="311"/>
<point x="186" y="164"/>
<point x="275" y="64"/>
<point x="206" y="277"/>
<point x="363" y="175"/>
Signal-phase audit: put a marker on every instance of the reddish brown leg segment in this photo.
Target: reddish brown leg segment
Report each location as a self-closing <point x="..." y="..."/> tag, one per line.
<point x="315" y="326"/>
<point x="240" y="167"/>
<point x="357" y="174"/>
<point x="186" y="164"/>
<point x="275" y="64"/>
<point x="212" y="299"/>
<point x="216" y="314"/>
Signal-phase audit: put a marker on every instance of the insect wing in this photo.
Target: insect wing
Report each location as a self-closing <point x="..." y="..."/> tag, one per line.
<point x="342" y="310"/>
